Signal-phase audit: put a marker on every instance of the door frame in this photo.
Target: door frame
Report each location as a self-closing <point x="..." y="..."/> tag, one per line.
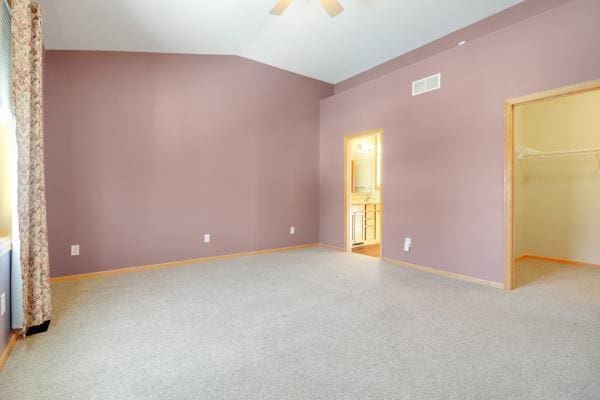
<point x="348" y="186"/>
<point x="509" y="163"/>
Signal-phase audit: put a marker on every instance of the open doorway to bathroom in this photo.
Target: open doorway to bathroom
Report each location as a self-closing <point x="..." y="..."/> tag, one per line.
<point x="363" y="209"/>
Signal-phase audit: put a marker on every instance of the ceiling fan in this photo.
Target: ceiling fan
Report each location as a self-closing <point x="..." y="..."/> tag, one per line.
<point x="333" y="7"/>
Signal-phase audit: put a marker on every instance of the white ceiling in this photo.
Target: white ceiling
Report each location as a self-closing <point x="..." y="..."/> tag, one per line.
<point x="303" y="40"/>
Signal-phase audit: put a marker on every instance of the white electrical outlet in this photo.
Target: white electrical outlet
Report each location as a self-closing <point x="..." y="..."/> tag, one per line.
<point x="207" y="238"/>
<point x="74" y="249"/>
<point x="3" y="304"/>
<point x="292" y="230"/>
<point x="407" y="244"/>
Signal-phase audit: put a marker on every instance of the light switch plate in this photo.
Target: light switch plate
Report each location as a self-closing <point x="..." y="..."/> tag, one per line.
<point x="74" y="249"/>
<point x="292" y="230"/>
<point x="3" y="304"/>
<point x="207" y="238"/>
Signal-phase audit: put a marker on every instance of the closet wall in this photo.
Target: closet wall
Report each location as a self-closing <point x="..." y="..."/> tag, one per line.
<point x="557" y="199"/>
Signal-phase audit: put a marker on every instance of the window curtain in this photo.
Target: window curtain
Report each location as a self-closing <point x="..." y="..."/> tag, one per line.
<point x="31" y="250"/>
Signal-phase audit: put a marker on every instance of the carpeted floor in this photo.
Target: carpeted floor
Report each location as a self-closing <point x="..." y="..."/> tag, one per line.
<point x="313" y="324"/>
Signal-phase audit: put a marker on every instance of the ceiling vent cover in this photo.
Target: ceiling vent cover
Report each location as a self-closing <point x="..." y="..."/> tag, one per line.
<point x="428" y="84"/>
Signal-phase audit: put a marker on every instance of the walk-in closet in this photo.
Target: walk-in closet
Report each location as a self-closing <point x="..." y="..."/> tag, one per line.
<point x="557" y="189"/>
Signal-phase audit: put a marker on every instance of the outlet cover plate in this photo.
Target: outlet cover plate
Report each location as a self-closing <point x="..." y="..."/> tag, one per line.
<point x="407" y="244"/>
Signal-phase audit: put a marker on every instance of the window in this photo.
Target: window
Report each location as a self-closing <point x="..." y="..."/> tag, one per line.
<point x="6" y="120"/>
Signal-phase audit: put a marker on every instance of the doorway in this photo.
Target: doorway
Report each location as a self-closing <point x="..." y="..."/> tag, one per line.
<point x="552" y="176"/>
<point x="363" y="208"/>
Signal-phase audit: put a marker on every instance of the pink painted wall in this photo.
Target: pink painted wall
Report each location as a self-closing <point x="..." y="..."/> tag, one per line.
<point x="147" y="152"/>
<point x="443" y="151"/>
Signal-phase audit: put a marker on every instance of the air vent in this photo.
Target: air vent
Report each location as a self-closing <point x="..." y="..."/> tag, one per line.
<point x="428" y="84"/>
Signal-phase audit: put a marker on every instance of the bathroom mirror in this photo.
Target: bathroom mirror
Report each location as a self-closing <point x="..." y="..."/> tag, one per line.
<point x="364" y="165"/>
<point x="361" y="171"/>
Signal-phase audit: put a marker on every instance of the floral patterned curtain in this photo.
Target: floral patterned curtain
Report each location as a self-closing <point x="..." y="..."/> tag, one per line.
<point x="31" y="191"/>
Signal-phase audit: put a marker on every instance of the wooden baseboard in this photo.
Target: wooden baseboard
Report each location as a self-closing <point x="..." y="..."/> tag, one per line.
<point x="557" y="260"/>
<point x="127" y="270"/>
<point x="329" y="246"/>
<point x="440" y="272"/>
<point x="9" y="348"/>
<point x="446" y="274"/>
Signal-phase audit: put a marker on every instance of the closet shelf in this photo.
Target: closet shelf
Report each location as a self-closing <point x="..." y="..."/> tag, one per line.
<point x="527" y="153"/>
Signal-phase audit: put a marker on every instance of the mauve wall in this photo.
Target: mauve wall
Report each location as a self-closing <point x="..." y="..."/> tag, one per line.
<point x="443" y="151"/>
<point x="5" y="288"/>
<point x="147" y="152"/>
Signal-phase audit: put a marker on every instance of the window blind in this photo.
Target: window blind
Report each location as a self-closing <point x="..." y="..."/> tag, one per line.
<point x="5" y="62"/>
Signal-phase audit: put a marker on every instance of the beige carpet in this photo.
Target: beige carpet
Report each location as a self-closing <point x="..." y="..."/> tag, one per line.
<point x="313" y="324"/>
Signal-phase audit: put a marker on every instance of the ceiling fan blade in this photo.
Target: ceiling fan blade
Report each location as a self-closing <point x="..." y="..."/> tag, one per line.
<point x="280" y="7"/>
<point x="333" y="7"/>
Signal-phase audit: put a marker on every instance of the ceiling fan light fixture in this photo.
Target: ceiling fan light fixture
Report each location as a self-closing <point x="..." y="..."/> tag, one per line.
<point x="280" y="7"/>
<point x="333" y="7"/>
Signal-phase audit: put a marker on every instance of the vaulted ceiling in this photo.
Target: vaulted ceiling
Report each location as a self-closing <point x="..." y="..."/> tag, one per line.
<point x="304" y="39"/>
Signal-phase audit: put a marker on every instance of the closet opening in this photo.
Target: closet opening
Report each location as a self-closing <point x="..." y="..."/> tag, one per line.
<point x="363" y="210"/>
<point x="552" y="186"/>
